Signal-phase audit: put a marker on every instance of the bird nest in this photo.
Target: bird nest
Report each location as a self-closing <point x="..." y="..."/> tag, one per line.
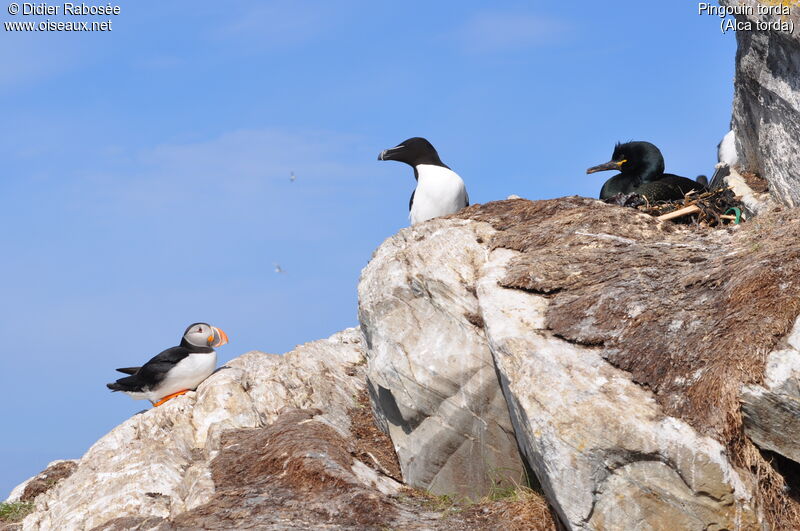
<point x="709" y="209"/>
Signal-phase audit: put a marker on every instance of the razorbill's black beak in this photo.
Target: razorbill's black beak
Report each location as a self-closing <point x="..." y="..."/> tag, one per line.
<point x="612" y="165"/>
<point x="389" y="154"/>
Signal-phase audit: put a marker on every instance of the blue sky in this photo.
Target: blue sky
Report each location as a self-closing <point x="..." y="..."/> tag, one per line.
<point x="145" y="173"/>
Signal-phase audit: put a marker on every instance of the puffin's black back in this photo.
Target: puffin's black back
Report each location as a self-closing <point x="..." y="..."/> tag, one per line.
<point x="155" y="370"/>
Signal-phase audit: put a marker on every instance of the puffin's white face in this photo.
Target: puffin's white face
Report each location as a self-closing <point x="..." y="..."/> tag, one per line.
<point x="205" y="335"/>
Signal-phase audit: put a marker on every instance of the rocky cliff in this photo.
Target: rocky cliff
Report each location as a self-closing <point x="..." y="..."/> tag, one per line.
<point x="544" y="364"/>
<point x="766" y="105"/>
<point x="638" y="374"/>
<point x="267" y="442"/>
<point x="620" y="344"/>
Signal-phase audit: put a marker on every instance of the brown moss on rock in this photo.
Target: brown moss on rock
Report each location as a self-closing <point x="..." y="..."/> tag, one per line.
<point x="372" y="446"/>
<point x="47" y="479"/>
<point x="690" y="313"/>
<point x="296" y="474"/>
<point x="133" y="523"/>
<point x="298" y="469"/>
<point x="525" y="510"/>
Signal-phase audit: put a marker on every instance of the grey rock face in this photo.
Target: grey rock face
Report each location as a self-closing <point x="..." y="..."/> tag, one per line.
<point x="430" y="372"/>
<point x="606" y="455"/>
<point x="766" y="107"/>
<point x="772" y="412"/>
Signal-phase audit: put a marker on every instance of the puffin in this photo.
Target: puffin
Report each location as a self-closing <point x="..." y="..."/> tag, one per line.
<point x="641" y="172"/>
<point x="176" y="370"/>
<point x="440" y="190"/>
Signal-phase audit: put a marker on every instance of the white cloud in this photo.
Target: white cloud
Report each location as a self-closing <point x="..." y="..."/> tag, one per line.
<point x="490" y="32"/>
<point x="277" y="25"/>
<point x="30" y="57"/>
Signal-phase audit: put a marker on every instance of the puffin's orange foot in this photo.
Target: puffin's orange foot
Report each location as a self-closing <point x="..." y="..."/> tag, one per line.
<point x="170" y="397"/>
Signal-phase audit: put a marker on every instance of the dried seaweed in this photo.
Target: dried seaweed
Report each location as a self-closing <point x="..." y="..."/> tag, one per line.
<point x="710" y="209"/>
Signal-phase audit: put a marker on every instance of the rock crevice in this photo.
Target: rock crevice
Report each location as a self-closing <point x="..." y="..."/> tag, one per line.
<point x="616" y="342"/>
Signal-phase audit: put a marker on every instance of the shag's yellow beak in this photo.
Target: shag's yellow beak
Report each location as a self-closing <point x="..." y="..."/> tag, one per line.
<point x="613" y="165"/>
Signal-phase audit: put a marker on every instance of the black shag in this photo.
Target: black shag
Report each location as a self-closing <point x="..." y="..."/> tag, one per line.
<point x="641" y="172"/>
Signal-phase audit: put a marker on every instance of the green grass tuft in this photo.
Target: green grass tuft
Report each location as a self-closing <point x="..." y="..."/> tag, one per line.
<point x="442" y="503"/>
<point x="15" y="511"/>
<point x="504" y="487"/>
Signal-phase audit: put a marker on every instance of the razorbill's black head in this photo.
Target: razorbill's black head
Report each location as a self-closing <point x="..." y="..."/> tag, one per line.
<point x="640" y="163"/>
<point x="440" y="191"/>
<point x="413" y="152"/>
<point x="175" y="370"/>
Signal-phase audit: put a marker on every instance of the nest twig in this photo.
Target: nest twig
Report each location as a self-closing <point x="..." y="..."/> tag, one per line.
<point x="709" y="209"/>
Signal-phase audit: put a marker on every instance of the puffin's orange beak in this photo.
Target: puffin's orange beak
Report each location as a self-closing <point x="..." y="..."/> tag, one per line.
<point x="218" y="338"/>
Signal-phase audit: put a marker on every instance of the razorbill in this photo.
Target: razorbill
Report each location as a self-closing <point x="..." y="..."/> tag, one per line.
<point x="726" y="149"/>
<point x="727" y="158"/>
<point x="641" y="171"/>
<point x="440" y="191"/>
<point x="175" y="370"/>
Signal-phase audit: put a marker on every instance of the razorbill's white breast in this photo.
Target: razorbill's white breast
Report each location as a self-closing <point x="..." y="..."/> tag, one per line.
<point x="726" y="150"/>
